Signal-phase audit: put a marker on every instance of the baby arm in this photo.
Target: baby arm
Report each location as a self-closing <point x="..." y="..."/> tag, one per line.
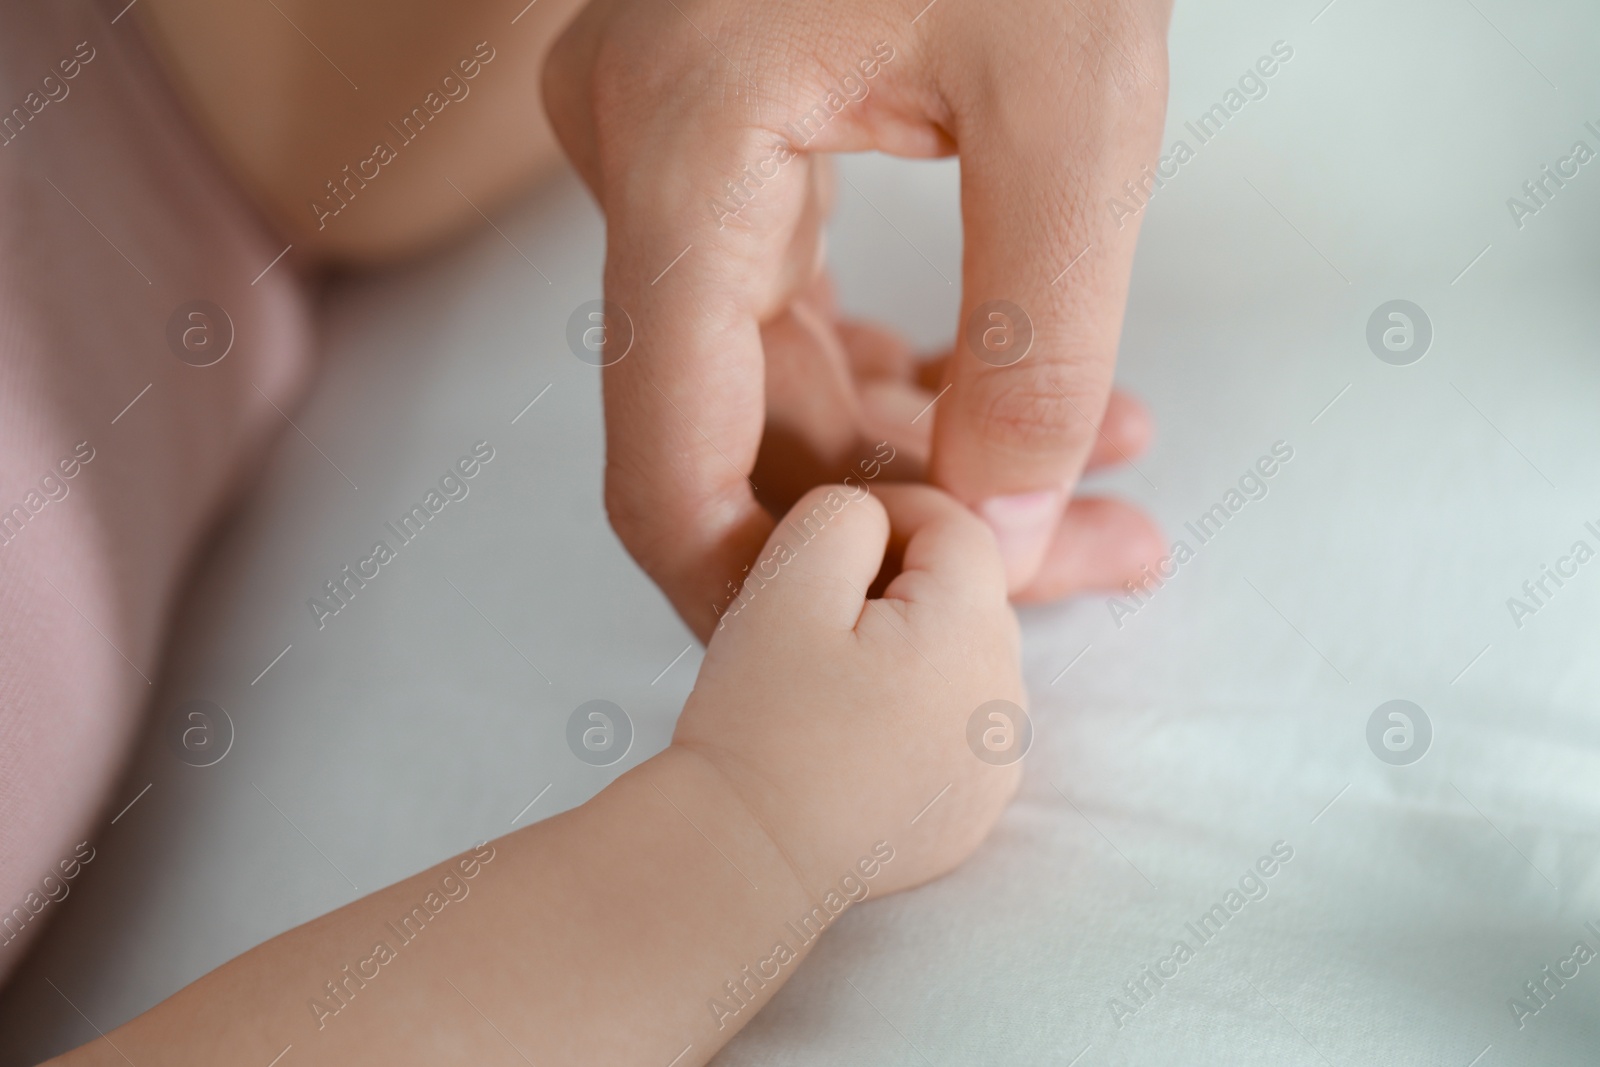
<point x="654" y="921"/>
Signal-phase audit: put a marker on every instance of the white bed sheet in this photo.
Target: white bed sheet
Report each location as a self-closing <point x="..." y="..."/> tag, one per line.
<point x="1172" y="751"/>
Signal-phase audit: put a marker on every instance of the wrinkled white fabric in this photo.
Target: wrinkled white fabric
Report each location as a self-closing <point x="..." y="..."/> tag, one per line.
<point x="1173" y="753"/>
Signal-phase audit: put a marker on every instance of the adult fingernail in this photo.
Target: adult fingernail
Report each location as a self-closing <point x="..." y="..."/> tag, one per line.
<point x="1023" y="525"/>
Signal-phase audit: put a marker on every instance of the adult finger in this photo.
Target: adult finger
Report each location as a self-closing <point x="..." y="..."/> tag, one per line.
<point x="694" y="272"/>
<point x="1046" y="266"/>
<point x="1100" y="544"/>
<point x="1124" y="434"/>
<point x="876" y="352"/>
<point x="566" y="89"/>
<point x="813" y="418"/>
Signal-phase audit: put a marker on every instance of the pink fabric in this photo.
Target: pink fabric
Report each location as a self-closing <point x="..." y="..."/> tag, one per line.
<point x="113" y="213"/>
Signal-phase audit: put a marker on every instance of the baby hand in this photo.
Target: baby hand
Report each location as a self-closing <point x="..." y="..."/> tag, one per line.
<point x="825" y="746"/>
<point x="836" y="718"/>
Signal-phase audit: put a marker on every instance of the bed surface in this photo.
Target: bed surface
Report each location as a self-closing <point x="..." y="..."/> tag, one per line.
<point x="1176" y="744"/>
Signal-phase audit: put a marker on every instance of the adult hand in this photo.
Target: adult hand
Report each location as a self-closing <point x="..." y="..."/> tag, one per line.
<point x="838" y="389"/>
<point x="697" y="122"/>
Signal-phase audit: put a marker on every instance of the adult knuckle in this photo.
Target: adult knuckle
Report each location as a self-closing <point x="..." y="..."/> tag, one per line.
<point x="1122" y="59"/>
<point x="1032" y="413"/>
<point x="627" y="512"/>
<point x="617" y="78"/>
<point x="644" y="511"/>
